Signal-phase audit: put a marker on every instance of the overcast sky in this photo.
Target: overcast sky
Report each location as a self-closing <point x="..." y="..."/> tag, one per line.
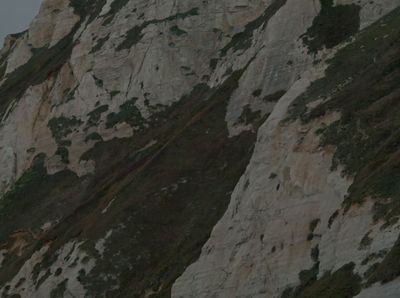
<point x="15" y="16"/>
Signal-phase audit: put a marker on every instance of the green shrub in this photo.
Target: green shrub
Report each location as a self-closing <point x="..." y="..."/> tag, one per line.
<point x="128" y="113"/>
<point x="59" y="291"/>
<point x="95" y="115"/>
<point x="62" y="126"/>
<point x="64" y="154"/>
<point x="388" y="269"/>
<point x="177" y="31"/>
<point x="94" y="136"/>
<point x="343" y="283"/>
<point x="333" y="25"/>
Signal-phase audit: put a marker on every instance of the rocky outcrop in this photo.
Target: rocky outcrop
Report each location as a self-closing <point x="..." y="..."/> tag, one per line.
<point x="289" y="229"/>
<point x="218" y="149"/>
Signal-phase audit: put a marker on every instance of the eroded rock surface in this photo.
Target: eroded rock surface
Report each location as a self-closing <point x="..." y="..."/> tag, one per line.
<point x="193" y="148"/>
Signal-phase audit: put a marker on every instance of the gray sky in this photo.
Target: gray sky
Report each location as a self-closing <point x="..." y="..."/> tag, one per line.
<point x="15" y="16"/>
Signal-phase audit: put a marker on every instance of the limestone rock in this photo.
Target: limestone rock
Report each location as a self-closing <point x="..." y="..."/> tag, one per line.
<point x="201" y="149"/>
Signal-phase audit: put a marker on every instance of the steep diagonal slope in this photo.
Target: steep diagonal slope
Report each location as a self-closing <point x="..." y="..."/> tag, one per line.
<point x="123" y="162"/>
<point x="127" y="124"/>
<point x="316" y="214"/>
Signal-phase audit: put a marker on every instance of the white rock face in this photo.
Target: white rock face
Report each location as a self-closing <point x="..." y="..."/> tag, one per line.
<point x="159" y="69"/>
<point x="263" y="241"/>
<point x="7" y="162"/>
<point x="54" y="21"/>
<point x="71" y="263"/>
<point x="389" y="290"/>
<point x="261" y="244"/>
<point x="20" y="55"/>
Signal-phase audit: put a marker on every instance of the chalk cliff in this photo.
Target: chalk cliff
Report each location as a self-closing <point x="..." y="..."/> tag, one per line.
<point x="241" y="148"/>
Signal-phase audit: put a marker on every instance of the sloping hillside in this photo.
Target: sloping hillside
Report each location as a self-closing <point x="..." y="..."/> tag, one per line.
<point x="244" y="148"/>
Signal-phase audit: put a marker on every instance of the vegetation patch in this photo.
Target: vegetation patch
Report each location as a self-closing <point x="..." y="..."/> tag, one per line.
<point x="365" y="241"/>
<point x="36" y="198"/>
<point x="389" y="268"/>
<point x="94" y="136"/>
<point x="274" y="97"/>
<point x="32" y="176"/>
<point x="3" y="69"/>
<point x="166" y="195"/>
<point x="128" y="113"/>
<point x="342" y="283"/>
<point x="213" y="63"/>
<point x="62" y="126"/>
<point x="79" y="6"/>
<point x="374" y="256"/>
<point x="177" y="31"/>
<point x="313" y="225"/>
<point x="308" y="277"/>
<point x="3" y="63"/>
<point x="28" y="192"/>
<point x="87" y="8"/>
<point x="115" y="7"/>
<point x="362" y="84"/>
<point x="134" y="35"/>
<point x="99" y="82"/>
<point x="64" y="154"/>
<point x="332" y="26"/>
<point x="156" y="233"/>
<point x="248" y="116"/>
<point x="114" y="93"/>
<point x="70" y="94"/>
<point x="332" y="218"/>
<point x="59" y="291"/>
<point x="257" y="93"/>
<point x="315" y="253"/>
<point x="99" y="44"/>
<point x="159" y="264"/>
<point x="95" y="115"/>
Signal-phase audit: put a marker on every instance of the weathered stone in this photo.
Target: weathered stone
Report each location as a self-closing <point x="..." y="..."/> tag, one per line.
<point x="105" y="104"/>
